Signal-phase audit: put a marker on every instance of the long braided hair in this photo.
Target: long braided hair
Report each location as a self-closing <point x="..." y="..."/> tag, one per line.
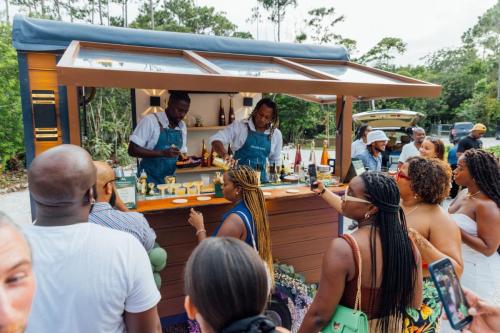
<point x="399" y="266"/>
<point x="485" y="170"/>
<point x="245" y="177"/>
<point x="275" y="119"/>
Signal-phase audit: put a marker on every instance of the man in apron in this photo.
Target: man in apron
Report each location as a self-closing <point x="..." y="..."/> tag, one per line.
<point x="255" y="140"/>
<point x="160" y="138"/>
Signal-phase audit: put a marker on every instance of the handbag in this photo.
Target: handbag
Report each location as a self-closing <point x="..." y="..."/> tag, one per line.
<point x="347" y="320"/>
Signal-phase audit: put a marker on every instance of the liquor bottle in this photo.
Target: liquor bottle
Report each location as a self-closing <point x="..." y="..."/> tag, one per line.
<point x="205" y="158"/>
<point x="324" y="154"/>
<point x="272" y="173"/>
<point x="222" y="115"/>
<point x="229" y="151"/>
<point x="258" y="171"/>
<point x="298" y="160"/>
<point x="312" y="155"/>
<point x="282" y="171"/>
<point x="231" y="112"/>
<point x="212" y="156"/>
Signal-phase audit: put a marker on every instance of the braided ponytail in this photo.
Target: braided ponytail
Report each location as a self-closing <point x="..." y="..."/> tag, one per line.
<point x="245" y="177"/>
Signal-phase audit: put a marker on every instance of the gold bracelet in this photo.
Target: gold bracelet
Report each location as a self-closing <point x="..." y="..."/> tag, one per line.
<point x="200" y="231"/>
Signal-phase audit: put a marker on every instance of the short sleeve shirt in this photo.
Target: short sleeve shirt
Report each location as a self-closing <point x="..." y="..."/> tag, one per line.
<point x="147" y="132"/>
<point x="369" y="161"/>
<point x="409" y="150"/>
<point x="87" y="276"/>
<point x="469" y="143"/>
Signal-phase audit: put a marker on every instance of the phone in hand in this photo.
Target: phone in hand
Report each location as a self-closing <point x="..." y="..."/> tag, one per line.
<point x="313" y="177"/>
<point x="450" y="292"/>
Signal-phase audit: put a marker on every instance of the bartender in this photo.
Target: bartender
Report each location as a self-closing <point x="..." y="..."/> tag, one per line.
<point x="254" y="140"/>
<point x="160" y="139"/>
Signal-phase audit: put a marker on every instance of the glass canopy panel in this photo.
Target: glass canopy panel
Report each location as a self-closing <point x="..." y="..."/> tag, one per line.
<point x="122" y="60"/>
<point x="352" y="74"/>
<point x="269" y="70"/>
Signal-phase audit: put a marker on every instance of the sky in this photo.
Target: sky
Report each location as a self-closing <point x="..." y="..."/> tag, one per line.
<point x="425" y="25"/>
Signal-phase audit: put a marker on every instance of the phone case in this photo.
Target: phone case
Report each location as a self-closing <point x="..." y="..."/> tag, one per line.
<point x="434" y="269"/>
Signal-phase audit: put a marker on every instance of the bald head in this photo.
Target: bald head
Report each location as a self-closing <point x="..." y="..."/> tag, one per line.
<point x="61" y="177"/>
<point x="105" y="176"/>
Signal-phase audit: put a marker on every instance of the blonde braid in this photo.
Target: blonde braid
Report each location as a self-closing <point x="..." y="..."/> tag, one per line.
<point x="246" y="178"/>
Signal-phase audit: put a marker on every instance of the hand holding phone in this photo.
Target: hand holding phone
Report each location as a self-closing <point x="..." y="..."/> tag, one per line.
<point x="450" y="292"/>
<point x="312" y="176"/>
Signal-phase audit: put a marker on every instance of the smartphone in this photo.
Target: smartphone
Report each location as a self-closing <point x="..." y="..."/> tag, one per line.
<point x="450" y="292"/>
<point x="313" y="177"/>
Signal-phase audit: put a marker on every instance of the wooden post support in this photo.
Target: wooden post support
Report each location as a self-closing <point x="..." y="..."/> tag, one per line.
<point x="74" y="116"/>
<point x="343" y="135"/>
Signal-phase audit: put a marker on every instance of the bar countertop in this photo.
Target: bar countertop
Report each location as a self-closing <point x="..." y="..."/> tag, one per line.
<point x="192" y="201"/>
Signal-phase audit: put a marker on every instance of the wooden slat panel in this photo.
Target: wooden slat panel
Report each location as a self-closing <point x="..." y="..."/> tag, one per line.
<point x="302" y="219"/>
<point x="292" y="250"/>
<point x="310" y="233"/>
<point x="170" y="307"/>
<point x="305" y="263"/>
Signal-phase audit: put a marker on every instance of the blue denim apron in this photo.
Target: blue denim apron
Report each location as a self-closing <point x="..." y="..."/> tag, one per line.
<point x="158" y="167"/>
<point x="255" y="150"/>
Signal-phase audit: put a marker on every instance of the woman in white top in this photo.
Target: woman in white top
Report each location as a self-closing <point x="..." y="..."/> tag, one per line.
<point x="476" y="210"/>
<point x="359" y="146"/>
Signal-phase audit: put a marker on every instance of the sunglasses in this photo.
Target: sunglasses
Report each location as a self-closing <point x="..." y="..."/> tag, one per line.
<point x="347" y="197"/>
<point x="401" y="175"/>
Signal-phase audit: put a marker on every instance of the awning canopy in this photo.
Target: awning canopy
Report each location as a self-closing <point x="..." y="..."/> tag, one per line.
<point x="104" y="56"/>
<point x="125" y="66"/>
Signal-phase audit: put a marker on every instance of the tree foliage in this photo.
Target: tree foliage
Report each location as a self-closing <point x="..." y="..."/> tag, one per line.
<point x="277" y="10"/>
<point x="11" y="134"/>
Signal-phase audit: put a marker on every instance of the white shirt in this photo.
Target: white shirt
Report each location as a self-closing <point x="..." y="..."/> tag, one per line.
<point x="147" y="132"/>
<point x="236" y="135"/>
<point x="357" y="147"/>
<point x="409" y="150"/>
<point x="87" y="276"/>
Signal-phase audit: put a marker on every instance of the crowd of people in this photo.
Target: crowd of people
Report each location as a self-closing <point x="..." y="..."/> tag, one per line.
<point x="62" y="274"/>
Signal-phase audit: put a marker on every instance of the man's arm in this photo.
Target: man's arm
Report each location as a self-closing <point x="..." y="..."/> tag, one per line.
<point x="143" y="322"/>
<point x="135" y="150"/>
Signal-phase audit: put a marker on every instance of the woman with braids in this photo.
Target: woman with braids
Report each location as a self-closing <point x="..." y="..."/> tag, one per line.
<point x="247" y="220"/>
<point x="254" y="140"/>
<point x="391" y="274"/>
<point x="432" y="147"/>
<point x="423" y="184"/>
<point x="476" y="210"/>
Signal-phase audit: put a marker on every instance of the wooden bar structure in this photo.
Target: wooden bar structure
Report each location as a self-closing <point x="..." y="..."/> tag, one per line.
<point x="61" y="57"/>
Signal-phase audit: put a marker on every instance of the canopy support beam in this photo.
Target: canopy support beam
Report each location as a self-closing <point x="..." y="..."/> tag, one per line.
<point x="343" y="135"/>
<point x="74" y="116"/>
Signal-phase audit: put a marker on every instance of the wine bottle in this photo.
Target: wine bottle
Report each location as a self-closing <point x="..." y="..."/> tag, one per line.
<point x="298" y="160"/>
<point x="222" y="115"/>
<point x="282" y="171"/>
<point x="231" y="112"/>
<point x="205" y="158"/>
<point x="324" y="154"/>
<point x="229" y="151"/>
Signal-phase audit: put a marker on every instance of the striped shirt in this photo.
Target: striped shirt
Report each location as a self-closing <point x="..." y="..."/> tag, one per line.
<point x="134" y="223"/>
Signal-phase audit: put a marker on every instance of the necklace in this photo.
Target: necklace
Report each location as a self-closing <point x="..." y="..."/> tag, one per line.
<point x="412" y="210"/>
<point x="471" y="196"/>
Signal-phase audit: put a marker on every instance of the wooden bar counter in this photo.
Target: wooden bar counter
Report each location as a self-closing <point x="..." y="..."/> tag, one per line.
<point x="302" y="226"/>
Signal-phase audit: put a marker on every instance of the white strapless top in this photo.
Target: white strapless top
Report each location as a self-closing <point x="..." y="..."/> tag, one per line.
<point x="465" y="223"/>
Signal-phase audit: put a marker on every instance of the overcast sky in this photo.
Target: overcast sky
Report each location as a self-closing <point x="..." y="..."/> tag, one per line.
<point x="425" y="25"/>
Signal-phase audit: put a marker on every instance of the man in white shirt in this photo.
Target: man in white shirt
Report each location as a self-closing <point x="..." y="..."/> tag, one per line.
<point x="160" y="138"/>
<point x="412" y="149"/>
<point x="254" y="140"/>
<point x="89" y="278"/>
<point x="359" y="146"/>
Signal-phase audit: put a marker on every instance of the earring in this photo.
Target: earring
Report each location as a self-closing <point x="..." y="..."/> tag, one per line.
<point x="367" y="216"/>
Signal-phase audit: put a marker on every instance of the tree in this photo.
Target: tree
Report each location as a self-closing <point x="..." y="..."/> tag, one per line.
<point x="277" y="9"/>
<point x="381" y="54"/>
<point x="255" y="18"/>
<point x="11" y="135"/>
<point x="487" y="34"/>
<point x="322" y="21"/>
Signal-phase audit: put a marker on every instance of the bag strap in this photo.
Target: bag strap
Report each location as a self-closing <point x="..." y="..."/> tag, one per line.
<point x="249" y="227"/>
<point x="357" y="254"/>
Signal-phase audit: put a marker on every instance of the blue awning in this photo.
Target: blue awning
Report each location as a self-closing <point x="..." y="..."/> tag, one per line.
<point x="31" y="34"/>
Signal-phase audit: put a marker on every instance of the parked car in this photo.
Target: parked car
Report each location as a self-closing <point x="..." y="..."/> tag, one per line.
<point x="460" y="130"/>
<point x="396" y="124"/>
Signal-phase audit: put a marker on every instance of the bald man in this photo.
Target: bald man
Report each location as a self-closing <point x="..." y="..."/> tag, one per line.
<point x="90" y="278"/>
<point x="103" y="212"/>
<point x="17" y="281"/>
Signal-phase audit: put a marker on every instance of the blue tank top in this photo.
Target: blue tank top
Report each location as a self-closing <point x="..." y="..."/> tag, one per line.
<point x="242" y="211"/>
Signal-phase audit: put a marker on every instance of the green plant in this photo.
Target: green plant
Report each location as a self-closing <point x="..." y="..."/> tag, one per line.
<point x="495" y="150"/>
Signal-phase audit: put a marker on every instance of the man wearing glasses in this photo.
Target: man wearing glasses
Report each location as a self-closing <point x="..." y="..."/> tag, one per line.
<point x="104" y="213"/>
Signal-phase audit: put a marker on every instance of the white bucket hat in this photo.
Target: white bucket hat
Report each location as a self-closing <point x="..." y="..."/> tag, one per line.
<point x="376" y="135"/>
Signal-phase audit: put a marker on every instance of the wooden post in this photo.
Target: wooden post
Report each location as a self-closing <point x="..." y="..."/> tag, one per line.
<point x="343" y="135"/>
<point x="74" y="116"/>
